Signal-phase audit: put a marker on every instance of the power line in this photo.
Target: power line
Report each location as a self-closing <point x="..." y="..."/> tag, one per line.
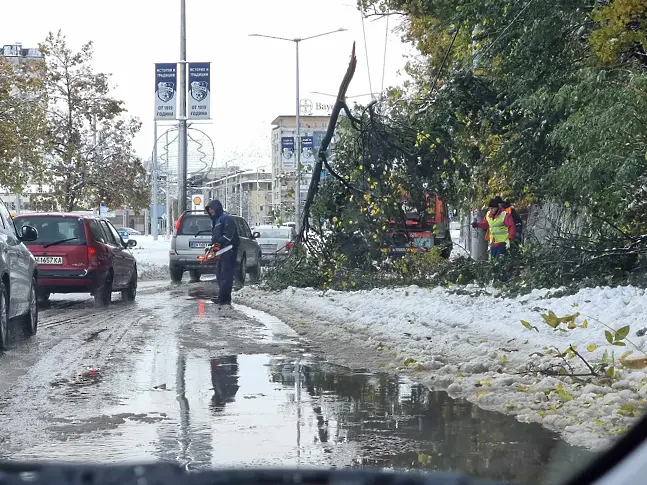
<point x="386" y="40"/>
<point x="491" y="44"/>
<point x="368" y="67"/>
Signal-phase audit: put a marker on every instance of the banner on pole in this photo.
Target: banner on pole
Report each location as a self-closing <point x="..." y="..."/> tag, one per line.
<point x="199" y="90"/>
<point x="287" y="153"/>
<point x="165" y="89"/>
<point x="307" y="151"/>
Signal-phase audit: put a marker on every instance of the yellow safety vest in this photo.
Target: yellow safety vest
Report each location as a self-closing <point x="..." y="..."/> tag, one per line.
<point x="498" y="229"/>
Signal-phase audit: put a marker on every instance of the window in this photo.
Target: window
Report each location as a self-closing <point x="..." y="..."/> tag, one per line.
<point x="55" y="228"/>
<point x="95" y="229"/>
<point x="115" y="235"/>
<point x="243" y="230"/>
<point x="2" y="223"/>
<point x="281" y="233"/>
<point x="109" y="237"/>
<point x="7" y="222"/>
<point x="193" y="225"/>
<point x="248" y="232"/>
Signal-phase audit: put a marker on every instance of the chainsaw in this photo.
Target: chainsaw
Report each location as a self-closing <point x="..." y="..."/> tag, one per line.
<point x="212" y="253"/>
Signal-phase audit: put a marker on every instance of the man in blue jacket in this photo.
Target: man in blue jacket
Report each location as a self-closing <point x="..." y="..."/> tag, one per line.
<point x="224" y="234"/>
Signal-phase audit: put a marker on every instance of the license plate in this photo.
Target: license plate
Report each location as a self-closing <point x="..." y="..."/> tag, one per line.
<point x="268" y="246"/>
<point x="49" y="259"/>
<point x="198" y="244"/>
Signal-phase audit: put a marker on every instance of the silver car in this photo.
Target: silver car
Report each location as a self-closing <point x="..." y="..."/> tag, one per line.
<point x="18" y="277"/>
<point x="275" y="241"/>
<point x="193" y="234"/>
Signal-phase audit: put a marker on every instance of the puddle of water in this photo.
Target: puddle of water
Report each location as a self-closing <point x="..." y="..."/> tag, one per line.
<point x="261" y="410"/>
<point x="190" y="406"/>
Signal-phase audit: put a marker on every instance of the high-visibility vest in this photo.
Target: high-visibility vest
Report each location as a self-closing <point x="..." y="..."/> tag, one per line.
<point x="498" y="229"/>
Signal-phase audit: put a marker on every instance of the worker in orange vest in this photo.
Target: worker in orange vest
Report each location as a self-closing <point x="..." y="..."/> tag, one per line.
<point x="500" y="226"/>
<point x="518" y="223"/>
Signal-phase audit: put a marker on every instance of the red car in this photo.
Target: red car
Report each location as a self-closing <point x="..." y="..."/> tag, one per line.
<point x="81" y="254"/>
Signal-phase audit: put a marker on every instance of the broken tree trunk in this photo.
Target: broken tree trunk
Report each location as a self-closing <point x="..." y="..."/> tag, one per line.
<point x="322" y="158"/>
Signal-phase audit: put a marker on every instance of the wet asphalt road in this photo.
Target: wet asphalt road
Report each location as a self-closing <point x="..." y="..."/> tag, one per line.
<point x="171" y="378"/>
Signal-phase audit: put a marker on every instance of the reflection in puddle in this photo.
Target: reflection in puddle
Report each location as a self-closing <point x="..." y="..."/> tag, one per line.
<point x="224" y="377"/>
<point x="260" y="410"/>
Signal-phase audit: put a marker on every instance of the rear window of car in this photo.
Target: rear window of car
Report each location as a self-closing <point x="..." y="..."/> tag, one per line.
<point x="55" y="228"/>
<point x="276" y="233"/>
<point x="193" y="225"/>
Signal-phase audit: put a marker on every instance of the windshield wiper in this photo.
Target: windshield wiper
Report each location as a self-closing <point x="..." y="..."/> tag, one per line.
<point x="59" y="242"/>
<point x="204" y="231"/>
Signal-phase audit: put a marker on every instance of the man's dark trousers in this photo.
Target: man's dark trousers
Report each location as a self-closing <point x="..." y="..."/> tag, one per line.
<point x="225" y="275"/>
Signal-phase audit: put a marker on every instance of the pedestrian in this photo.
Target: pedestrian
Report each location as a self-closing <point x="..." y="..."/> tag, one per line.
<point x="518" y="223"/>
<point x="224" y="234"/>
<point x="500" y="227"/>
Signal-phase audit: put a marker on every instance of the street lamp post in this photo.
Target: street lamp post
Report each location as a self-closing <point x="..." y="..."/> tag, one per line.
<point x="182" y="128"/>
<point x="154" y="185"/>
<point x="297" y="144"/>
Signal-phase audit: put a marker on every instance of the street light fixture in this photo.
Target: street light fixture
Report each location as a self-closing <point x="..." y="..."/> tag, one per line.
<point x="297" y="192"/>
<point x="372" y="95"/>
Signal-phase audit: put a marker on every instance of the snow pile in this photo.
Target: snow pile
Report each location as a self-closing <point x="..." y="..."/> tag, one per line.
<point x="152" y="257"/>
<point x="472" y="343"/>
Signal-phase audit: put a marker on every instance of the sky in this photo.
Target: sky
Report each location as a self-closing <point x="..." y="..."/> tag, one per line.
<point x="252" y="79"/>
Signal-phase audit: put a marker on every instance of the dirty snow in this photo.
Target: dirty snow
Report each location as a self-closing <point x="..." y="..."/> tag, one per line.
<point x="152" y="257"/>
<point x="471" y="342"/>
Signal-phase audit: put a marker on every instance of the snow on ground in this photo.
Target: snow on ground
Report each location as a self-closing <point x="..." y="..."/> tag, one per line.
<point x="152" y="257"/>
<point x="471" y="342"/>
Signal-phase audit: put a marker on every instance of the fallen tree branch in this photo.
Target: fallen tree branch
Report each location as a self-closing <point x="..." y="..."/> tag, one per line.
<point x="586" y="363"/>
<point x="322" y="158"/>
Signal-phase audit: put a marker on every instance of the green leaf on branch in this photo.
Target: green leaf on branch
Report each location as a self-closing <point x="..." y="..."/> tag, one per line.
<point x="622" y="333"/>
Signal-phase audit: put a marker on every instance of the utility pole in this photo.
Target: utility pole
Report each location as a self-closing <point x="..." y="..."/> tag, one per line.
<point x="154" y="185"/>
<point x="182" y="128"/>
<point x="297" y="144"/>
<point x="297" y="147"/>
<point x="168" y="218"/>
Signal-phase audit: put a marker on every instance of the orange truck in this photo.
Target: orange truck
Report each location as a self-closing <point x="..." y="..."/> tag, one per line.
<point x="419" y="232"/>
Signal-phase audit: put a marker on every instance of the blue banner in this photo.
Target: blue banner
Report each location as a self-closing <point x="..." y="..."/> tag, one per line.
<point x="287" y="153"/>
<point x="307" y="151"/>
<point x="165" y="89"/>
<point x="199" y="91"/>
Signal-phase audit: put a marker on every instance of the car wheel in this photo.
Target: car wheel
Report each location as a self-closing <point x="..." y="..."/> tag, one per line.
<point x="103" y="294"/>
<point x="255" y="272"/>
<point x="43" y="296"/>
<point x="194" y="275"/>
<point x="30" y="320"/>
<point x="176" y="274"/>
<point x="242" y="271"/>
<point x="130" y="293"/>
<point x="4" y="316"/>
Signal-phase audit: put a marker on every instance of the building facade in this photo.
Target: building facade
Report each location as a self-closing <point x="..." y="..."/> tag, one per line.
<point x="245" y="193"/>
<point x="312" y="131"/>
<point x="15" y="53"/>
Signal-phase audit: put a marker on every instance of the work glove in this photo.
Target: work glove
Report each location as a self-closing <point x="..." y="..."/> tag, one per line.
<point x="474" y="225"/>
<point x="211" y="253"/>
<point x="507" y="244"/>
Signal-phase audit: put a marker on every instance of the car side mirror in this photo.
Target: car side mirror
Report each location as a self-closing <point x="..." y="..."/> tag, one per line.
<point x="131" y="243"/>
<point x="28" y="233"/>
<point x="256" y="235"/>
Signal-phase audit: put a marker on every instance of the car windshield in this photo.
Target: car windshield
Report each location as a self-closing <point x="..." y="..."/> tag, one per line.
<point x="55" y="228"/>
<point x="275" y="233"/>
<point x="193" y="225"/>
